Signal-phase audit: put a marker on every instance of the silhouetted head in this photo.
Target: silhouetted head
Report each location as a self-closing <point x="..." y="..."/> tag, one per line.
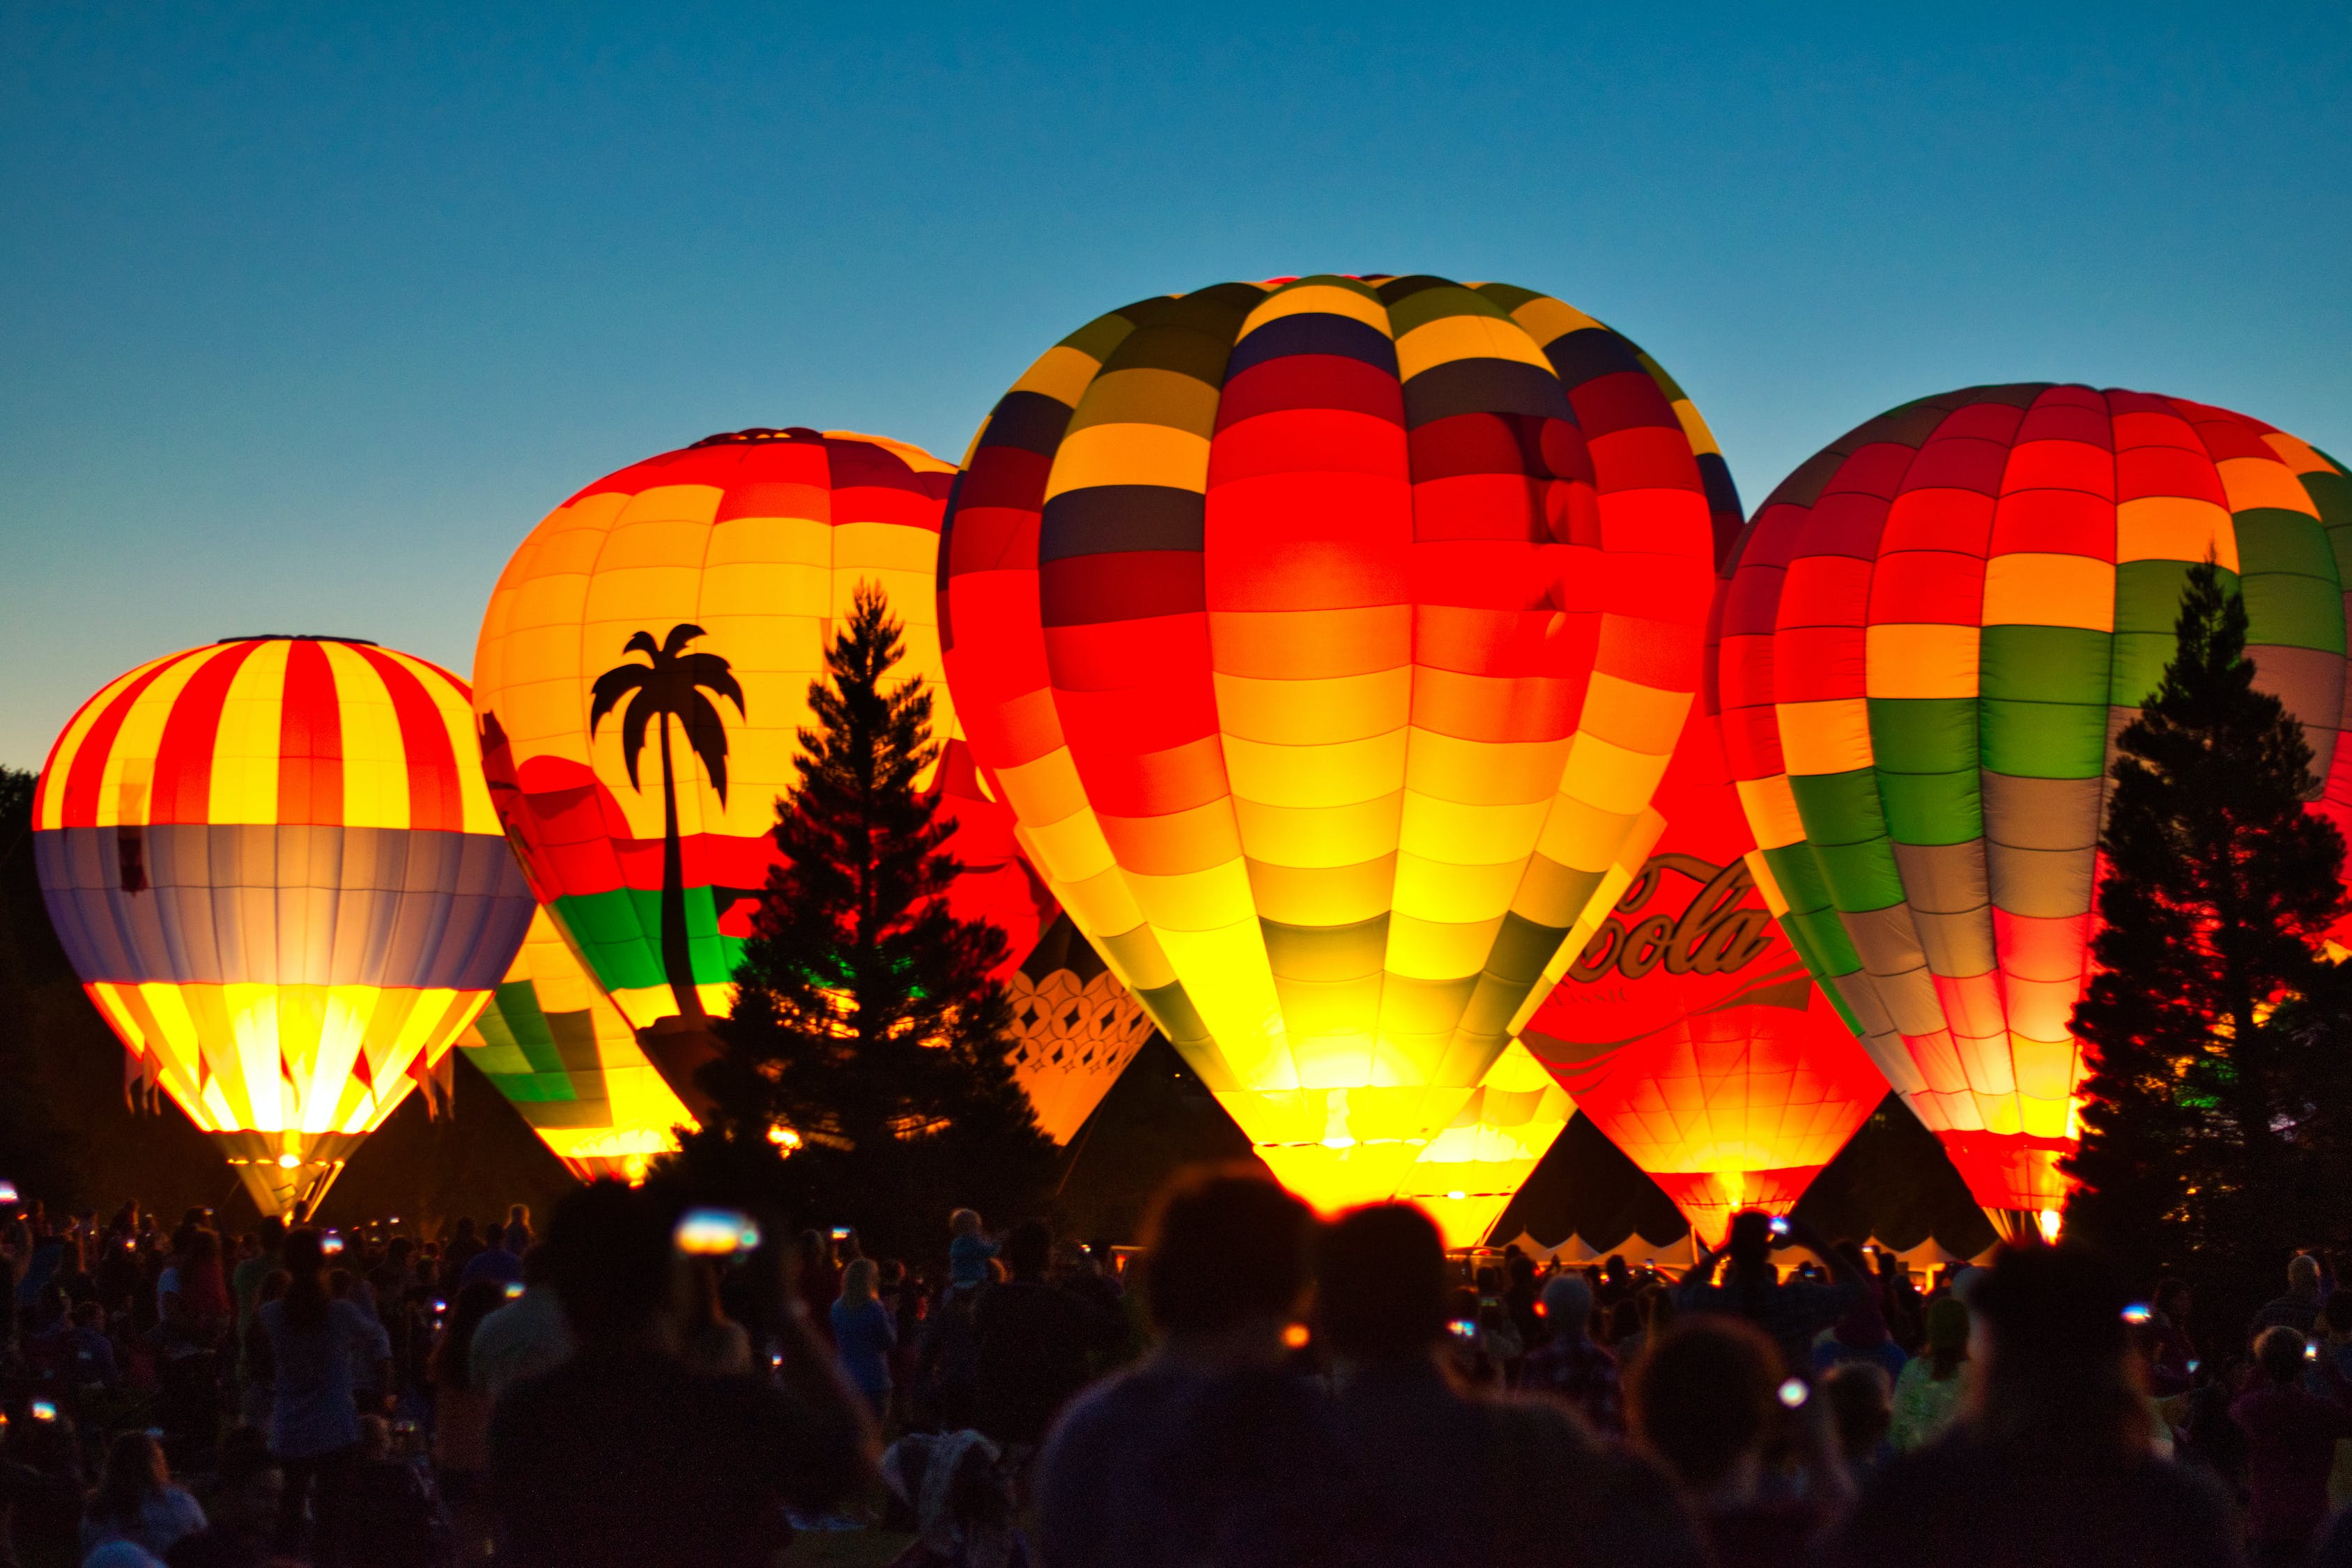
<point x="1702" y="1397"/>
<point x="1380" y="1289"/>
<point x="1568" y="1304"/>
<point x="1751" y="1240"/>
<point x="1028" y="1249"/>
<point x="2278" y="1350"/>
<point x="609" y="1258"/>
<point x="1860" y="1406"/>
<point x="135" y="1473"/>
<point x="2303" y="1275"/>
<point x="1225" y="1246"/>
<point x="2049" y="1321"/>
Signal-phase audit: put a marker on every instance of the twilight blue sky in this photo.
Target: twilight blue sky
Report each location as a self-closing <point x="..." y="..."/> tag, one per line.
<point x="309" y="312"/>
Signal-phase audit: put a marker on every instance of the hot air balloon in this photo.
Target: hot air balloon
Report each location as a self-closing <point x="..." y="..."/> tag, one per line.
<point x="1469" y="1173"/>
<point x="556" y="1047"/>
<point x="1325" y="639"/>
<point x="642" y="679"/>
<point x="273" y="863"/>
<point x="1076" y="1029"/>
<point x="1687" y="1029"/>
<point x="1932" y="632"/>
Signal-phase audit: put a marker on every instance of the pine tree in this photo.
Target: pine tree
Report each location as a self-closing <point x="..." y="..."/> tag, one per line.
<point x="2207" y="1122"/>
<point x="864" y="1020"/>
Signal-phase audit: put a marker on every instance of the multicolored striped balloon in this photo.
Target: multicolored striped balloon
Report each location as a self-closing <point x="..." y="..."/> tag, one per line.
<point x="1687" y="1029"/>
<point x="562" y="1053"/>
<point x="643" y="678"/>
<point x="275" y="867"/>
<point x="1933" y="631"/>
<point x="1325" y="637"/>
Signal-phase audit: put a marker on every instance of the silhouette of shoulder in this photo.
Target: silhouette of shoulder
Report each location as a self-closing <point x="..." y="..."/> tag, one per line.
<point x="1933" y="1507"/>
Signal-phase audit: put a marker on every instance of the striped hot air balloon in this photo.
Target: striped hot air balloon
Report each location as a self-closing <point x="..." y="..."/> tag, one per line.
<point x="1933" y="631"/>
<point x="642" y="679"/>
<point x="1325" y="639"/>
<point x="561" y="1052"/>
<point x="275" y="867"/>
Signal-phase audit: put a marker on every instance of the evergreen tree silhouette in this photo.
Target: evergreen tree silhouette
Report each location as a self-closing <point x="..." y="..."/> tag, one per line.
<point x="2206" y="1117"/>
<point x="864" y="1021"/>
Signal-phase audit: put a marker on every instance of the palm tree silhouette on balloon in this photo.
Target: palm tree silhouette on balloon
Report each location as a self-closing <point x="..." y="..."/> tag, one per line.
<point x="671" y="686"/>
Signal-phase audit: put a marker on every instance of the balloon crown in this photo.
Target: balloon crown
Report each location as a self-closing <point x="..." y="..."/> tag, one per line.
<point x="297" y="637"/>
<point x="758" y="434"/>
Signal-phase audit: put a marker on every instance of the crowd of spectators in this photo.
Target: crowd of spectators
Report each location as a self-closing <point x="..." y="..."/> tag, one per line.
<point x="1251" y="1386"/>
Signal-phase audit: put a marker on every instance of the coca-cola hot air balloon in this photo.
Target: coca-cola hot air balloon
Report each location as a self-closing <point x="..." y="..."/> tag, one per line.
<point x="643" y="677"/>
<point x="558" y="1051"/>
<point x="1325" y="637"/>
<point x="275" y="867"/>
<point x="1687" y="1029"/>
<point x="1933" y="631"/>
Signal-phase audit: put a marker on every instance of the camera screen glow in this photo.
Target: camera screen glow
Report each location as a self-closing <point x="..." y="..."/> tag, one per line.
<point x="715" y="1233"/>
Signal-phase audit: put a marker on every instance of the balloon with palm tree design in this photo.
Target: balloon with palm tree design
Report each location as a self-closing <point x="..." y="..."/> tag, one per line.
<point x="690" y="596"/>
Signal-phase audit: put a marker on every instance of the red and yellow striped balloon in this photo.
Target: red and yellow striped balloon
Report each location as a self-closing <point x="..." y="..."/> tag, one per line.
<point x="274" y="864"/>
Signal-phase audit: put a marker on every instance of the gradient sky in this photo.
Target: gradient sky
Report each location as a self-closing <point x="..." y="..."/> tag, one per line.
<point x="306" y="316"/>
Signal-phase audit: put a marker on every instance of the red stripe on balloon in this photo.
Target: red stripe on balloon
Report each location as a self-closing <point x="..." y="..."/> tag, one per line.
<point x="86" y="772"/>
<point x="309" y="740"/>
<point x="183" y="759"/>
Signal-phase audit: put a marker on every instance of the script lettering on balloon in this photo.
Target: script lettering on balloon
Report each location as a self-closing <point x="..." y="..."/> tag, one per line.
<point x="1715" y="932"/>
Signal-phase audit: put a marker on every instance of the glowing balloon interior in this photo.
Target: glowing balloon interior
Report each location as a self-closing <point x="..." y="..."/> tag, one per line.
<point x="556" y="1047"/>
<point x="276" y="869"/>
<point x="1468" y="1174"/>
<point x="1687" y="1027"/>
<point x="1325" y="639"/>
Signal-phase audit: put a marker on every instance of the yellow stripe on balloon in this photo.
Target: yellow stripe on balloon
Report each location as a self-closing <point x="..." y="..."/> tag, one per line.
<point x="375" y="761"/>
<point x="245" y="744"/>
<point x="1921" y="659"/>
<point x="2029" y="589"/>
<point x="2175" y="528"/>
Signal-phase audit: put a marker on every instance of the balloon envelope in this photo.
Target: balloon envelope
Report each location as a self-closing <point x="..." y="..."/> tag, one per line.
<point x="275" y="867"/>
<point x="561" y="1052"/>
<point x="1325" y="639"/>
<point x="701" y="587"/>
<point x="1687" y="1029"/>
<point x="1933" y="631"/>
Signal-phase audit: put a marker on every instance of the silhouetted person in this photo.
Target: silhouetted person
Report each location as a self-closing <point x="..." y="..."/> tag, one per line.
<point x="314" y="1419"/>
<point x="2291" y="1437"/>
<point x="1035" y="1340"/>
<point x="1443" y="1475"/>
<point x="621" y="1456"/>
<point x="1706" y="1402"/>
<point x="1792" y="1311"/>
<point x="136" y="1501"/>
<point x="2052" y="1461"/>
<point x="1209" y="1450"/>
